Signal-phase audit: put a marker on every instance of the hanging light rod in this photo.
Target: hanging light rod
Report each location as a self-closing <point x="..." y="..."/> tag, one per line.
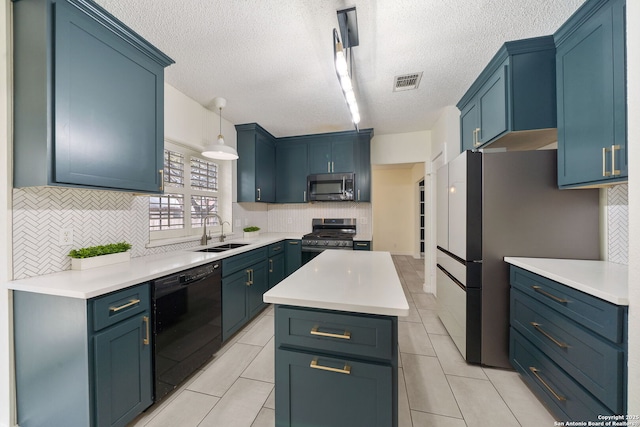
<point x="218" y="149"/>
<point x="343" y="71"/>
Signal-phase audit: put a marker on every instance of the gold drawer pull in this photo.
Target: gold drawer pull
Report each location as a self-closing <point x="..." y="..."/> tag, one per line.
<point x="145" y="319"/>
<point x="605" y="172"/>
<point x="546" y="334"/>
<point x="345" y="370"/>
<point x="345" y="336"/>
<point x="614" y="171"/>
<point x="361" y="244"/>
<point x="535" y="371"/>
<point x="547" y="294"/>
<point x="122" y="307"/>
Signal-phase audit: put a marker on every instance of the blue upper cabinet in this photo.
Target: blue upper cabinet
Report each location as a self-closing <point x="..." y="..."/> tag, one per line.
<point x="512" y="103"/>
<point x="89" y="99"/>
<point x="256" y="164"/>
<point x="332" y="153"/>
<point x="292" y="168"/>
<point x="592" y="117"/>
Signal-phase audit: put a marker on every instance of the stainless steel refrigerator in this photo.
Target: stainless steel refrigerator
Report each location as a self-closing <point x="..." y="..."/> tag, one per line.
<point x="492" y="205"/>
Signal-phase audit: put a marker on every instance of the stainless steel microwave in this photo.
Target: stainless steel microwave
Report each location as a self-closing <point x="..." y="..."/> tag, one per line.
<point x="330" y="187"/>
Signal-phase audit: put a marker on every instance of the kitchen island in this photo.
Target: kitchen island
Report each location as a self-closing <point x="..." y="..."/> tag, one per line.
<point x="336" y="338"/>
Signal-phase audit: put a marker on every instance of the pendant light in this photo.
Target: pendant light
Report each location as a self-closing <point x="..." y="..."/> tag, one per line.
<point x="218" y="149"/>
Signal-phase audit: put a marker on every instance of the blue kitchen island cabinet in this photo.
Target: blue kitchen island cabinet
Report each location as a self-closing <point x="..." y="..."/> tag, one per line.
<point x="512" y="102"/>
<point x="89" y="99"/>
<point x="336" y="357"/>
<point x="592" y="110"/>
<point x="82" y="363"/>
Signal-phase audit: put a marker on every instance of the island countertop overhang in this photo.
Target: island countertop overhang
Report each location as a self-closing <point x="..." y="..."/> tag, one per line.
<point x="351" y="281"/>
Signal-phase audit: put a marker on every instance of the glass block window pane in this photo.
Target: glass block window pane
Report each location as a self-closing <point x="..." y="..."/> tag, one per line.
<point x="201" y="206"/>
<point x="166" y="212"/>
<point x="173" y="169"/>
<point x="204" y="175"/>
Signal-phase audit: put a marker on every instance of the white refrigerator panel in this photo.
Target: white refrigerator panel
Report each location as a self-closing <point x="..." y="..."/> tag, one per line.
<point x="452" y="310"/>
<point x="442" y="207"/>
<point x="458" y="206"/>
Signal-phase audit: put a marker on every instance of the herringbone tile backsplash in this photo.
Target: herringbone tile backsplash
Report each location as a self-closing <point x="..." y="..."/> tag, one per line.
<point x="618" y="224"/>
<point x="101" y="217"/>
<point x="96" y="217"/>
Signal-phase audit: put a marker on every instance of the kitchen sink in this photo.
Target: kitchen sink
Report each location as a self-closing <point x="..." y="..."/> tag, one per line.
<point x="224" y="247"/>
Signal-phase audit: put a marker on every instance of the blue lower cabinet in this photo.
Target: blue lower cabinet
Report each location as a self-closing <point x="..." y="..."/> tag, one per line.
<point x="570" y="347"/>
<point x="122" y="363"/>
<point x="293" y="255"/>
<point x="82" y="363"/>
<point x="276" y="269"/>
<point x="235" y="312"/>
<point x="325" y="376"/>
<point x="245" y="278"/>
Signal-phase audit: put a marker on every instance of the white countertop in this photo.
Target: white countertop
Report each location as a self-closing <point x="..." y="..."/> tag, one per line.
<point x="85" y="284"/>
<point x="601" y="279"/>
<point x="354" y="281"/>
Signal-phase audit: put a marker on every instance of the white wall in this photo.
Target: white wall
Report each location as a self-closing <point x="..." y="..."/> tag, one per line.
<point x="410" y="147"/>
<point x="633" y="100"/>
<point x="6" y="368"/>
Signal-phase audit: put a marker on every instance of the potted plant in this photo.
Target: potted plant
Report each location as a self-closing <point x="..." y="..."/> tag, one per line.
<point x="97" y="256"/>
<point x="251" y="231"/>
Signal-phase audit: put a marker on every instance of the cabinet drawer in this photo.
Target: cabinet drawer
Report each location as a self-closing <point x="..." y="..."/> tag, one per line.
<point x="361" y="245"/>
<point x="592" y="361"/>
<point x="276" y="248"/>
<point x="563" y="396"/>
<point x="602" y="317"/>
<point x="121" y="305"/>
<point x="350" y="334"/>
<point x="238" y="262"/>
<point x="315" y="390"/>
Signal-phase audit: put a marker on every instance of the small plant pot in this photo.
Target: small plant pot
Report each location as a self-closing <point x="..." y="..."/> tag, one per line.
<point x="251" y="234"/>
<point x="99" y="261"/>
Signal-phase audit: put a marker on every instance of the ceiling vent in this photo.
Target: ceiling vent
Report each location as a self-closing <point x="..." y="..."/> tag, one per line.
<point x="407" y="82"/>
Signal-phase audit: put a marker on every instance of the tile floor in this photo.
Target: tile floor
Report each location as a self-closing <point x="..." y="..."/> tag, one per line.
<point x="436" y="387"/>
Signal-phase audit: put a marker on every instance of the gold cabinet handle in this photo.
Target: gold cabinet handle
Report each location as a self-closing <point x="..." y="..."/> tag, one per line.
<point x="304" y="196"/>
<point x="248" y="282"/>
<point x="161" y="172"/>
<point x="476" y="138"/>
<point x="345" y="336"/>
<point x="604" y="162"/>
<point x="346" y="370"/>
<point x="546" y="334"/>
<point x="361" y="244"/>
<point x="294" y="242"/>
<point x="259" y="194"/>
<point x="535" y="371"/>
<point x="123" y="306"/>
<point x="614" y="171"/>
<point x="146" y="341"/>
<point x="270" y="266"/>
<point x="547" y="294"/>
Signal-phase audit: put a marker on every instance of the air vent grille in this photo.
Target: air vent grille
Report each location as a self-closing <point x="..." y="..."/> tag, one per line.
<point x="407" y="82"/>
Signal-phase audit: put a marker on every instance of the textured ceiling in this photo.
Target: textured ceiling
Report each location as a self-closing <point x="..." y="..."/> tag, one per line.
<point x="273" y="59"/>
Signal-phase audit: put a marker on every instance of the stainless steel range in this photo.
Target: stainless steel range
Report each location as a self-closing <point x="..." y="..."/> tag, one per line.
<point x="328" y="233"/>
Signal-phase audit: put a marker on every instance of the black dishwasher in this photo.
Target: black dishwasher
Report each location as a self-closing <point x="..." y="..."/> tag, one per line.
<point x="187" y="325"/>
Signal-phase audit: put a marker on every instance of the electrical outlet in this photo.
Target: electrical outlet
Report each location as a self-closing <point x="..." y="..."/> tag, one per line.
<point x="246" y="221"/>
<point x="363" y="220"/>
<point x="238" y="223"/>
<point x="65" y="238"/>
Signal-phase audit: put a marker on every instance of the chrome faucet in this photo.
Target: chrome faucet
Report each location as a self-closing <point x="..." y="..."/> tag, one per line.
<point x="205" y="238"/>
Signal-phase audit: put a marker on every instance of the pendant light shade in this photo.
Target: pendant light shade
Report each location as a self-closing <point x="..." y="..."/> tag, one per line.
<point x="218" y="149"/>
